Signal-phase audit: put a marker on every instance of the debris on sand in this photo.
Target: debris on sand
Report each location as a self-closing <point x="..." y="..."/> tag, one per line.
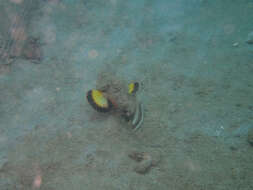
<point x="145" y="161"/>
<point x="144" y="166"/>
<point x="32" y="50"/>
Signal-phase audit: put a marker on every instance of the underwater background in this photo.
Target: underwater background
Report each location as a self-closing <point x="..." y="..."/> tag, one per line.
<point x="193" y="60"/>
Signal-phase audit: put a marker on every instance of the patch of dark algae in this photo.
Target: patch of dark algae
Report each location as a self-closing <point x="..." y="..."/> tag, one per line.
<point x="250" y="137"/>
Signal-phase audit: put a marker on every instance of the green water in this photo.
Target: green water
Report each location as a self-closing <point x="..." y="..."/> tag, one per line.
<point x="194" y="66"/>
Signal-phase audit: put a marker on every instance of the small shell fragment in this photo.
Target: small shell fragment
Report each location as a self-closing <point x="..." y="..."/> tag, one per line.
<point x="236" y="44"/>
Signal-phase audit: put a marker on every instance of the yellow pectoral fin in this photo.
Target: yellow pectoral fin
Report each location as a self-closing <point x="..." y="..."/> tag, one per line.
<point x="133" y="87"/>
<point x="98" y="101"/>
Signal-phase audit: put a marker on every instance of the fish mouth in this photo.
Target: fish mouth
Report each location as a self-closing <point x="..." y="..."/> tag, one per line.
<point x="138" y="117"/>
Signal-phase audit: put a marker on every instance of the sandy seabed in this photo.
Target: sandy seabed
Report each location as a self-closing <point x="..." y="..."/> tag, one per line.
<point x="195" y="75"/>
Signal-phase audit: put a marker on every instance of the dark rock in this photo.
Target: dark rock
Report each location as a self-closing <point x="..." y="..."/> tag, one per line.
<point x="233" y="148"/>
<point x="250" y="38"/>
<point x="250" y="137"/>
